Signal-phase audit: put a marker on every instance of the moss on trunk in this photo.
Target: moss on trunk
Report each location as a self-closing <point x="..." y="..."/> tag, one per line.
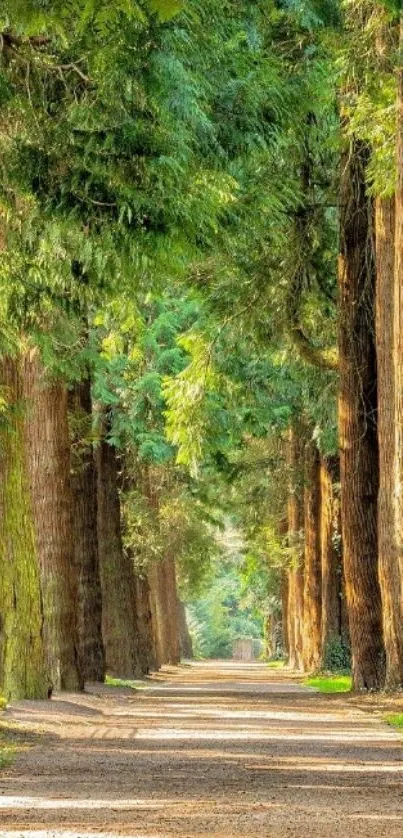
<point x="23" y="669"/>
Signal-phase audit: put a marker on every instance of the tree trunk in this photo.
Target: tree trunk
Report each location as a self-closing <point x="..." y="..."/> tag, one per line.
<point x="163" y="588"/>
<point x="185" y="638"/>
<point x="172" y="610"/>
<point x="48" y="462"/>
<point x="84" y="488"/>
<point x="357" y="421"/>
<point x="284" y="613"/>
<point x="398" y="319"/>
<point x="296" y="572"/>
<point x="291" y="619"/>
<point x="119" y="618"/>
<point x="330" y="556"/>
<point x="390" y="308"/>
<point x="160" y="584"/>
<point x="23" y="667"/>
<point x="146" y="652"/>
<point x="153" y="583"/>
<point x="389" y="570"/>
<point x="312" y="654"/>
<point x="269" y="639"/>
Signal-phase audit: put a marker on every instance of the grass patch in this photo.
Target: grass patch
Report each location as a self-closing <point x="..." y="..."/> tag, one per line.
<point x="13" y="740"/>
<point x="121" y="682"/>
<point x="7" y="747"/>
<point x="330" y="683"/>
<point x="276" y="664"/>
<point x="3" y="703"/>
<point x="6" y="753"/>
<point x="395" y="720"/>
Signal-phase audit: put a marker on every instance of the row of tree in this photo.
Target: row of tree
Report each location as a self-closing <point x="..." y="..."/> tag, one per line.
<point x="73" y="605"/>
<point x="201" y="224"/>
<point x="104" y="198"/>
<point x="370" y="421"/>
<point x="341" y="271"/>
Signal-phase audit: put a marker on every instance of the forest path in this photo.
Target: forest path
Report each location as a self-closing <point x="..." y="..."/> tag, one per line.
<point x="219" y="749"/>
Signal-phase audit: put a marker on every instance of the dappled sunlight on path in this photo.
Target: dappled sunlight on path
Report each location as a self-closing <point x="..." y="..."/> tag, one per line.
<point x="218" y="749"/>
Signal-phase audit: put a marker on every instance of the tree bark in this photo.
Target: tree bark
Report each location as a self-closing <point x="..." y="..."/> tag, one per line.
<point x="185" y="638"/>
<point x="296" y="572"/>
<point x="161" y="605"/>
<point x="163" y="589"/>
<point x="357" y="421"/>
<point x="84" y="488"/>
<point x="284" y="613"/>
<point x="395" y="657"/>
<point x="24" y="671"/>
<point x="332" y="573"/>
<point x="172" y="611"/>
<point x="291" y="619"/>
<point x="48" y="462"/>
<point x="119" y="617"/>
<point x="146" y="652"/>
<point x="312" y="653"/>
<point x="389" y="569"/>
<point x="157" y="644"/>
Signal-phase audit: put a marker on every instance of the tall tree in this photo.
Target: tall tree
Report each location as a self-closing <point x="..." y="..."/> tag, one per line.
<point x="389" y="565"/>
<point x="48" y="463"/>
<point x="312" y="630"/>
<point x="397" y="353"/>
<point x="24" y="671"/>
<point x="359" y="461"/>
<point x="85" y="529"/>
<point x="333" y="629"/>
<point x="119" y="612"/>
<point x="295" y="526"/>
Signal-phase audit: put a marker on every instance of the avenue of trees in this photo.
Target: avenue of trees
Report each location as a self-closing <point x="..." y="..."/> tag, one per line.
<point x="201" y="332"/>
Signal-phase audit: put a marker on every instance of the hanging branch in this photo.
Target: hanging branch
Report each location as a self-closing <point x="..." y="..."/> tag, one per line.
<point x="323" y="358"/>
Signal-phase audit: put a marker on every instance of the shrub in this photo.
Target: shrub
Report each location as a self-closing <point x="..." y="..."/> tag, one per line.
<point x="337" y="655"/>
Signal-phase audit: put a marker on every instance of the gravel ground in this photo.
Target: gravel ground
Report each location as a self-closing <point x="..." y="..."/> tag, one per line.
<point x="218" y="749"/>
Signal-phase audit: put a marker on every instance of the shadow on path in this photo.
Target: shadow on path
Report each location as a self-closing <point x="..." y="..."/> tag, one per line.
<point x="217" y="749"/>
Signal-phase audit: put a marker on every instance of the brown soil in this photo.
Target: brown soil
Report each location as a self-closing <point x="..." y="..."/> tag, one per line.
<point x="219" y="749"/>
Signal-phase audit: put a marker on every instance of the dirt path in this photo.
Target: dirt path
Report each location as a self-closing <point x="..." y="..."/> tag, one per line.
<point x="214" y="749"/>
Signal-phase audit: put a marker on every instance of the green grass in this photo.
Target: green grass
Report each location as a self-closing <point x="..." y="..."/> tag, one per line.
<point x="276" y="664"/>
<point x="7" y="747"/>
<point x="330" y="683"/>
<point x="3" y="703"/>
<point x="121" y="682"/>
<point x="6" y="754"/>
<point x="13" y="740"/>
<point x="395" y="720"/>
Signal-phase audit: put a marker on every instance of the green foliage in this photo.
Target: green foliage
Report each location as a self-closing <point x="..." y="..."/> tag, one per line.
<point x="166" y="8"/>
<point x="367" y="57"/>
<point x="222" y="615"/>
<point x="337" y="655"/>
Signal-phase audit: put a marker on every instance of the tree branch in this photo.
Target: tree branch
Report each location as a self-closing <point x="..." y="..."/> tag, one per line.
<point x="324" y="358"/>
